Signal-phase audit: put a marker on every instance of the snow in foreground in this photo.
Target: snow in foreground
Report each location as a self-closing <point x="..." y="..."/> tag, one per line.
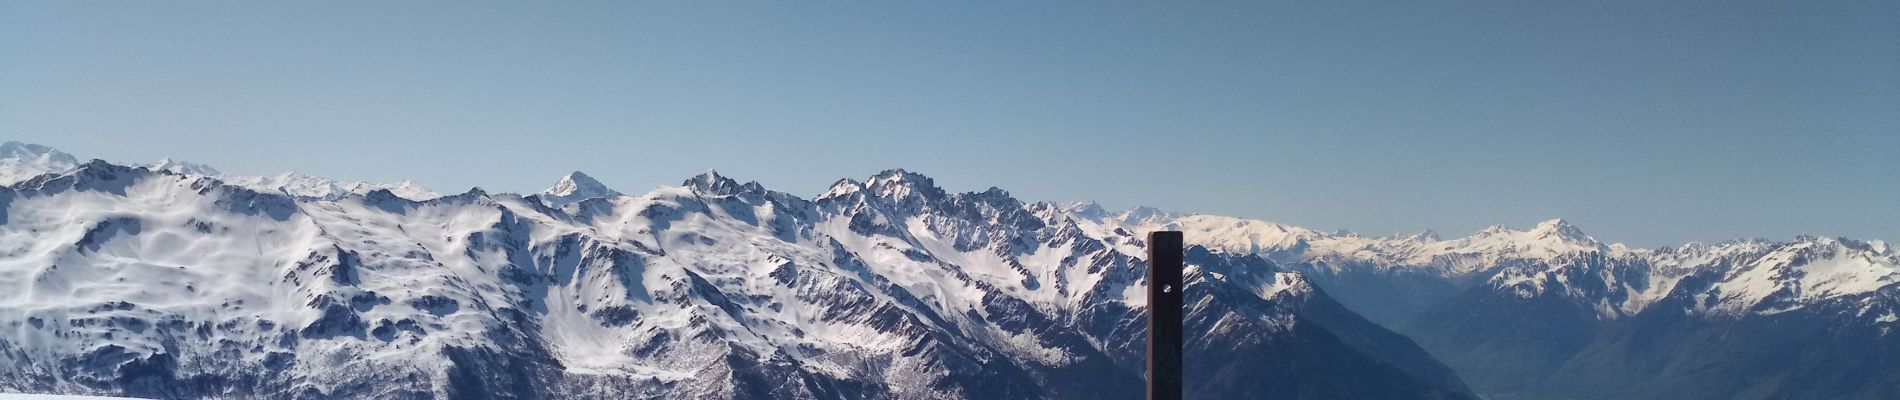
<point x="23" y="396"/>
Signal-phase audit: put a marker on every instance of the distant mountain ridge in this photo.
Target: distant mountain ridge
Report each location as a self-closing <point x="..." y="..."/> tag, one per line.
<point x="1550" y="312"/>
<point x="22" y="161"/>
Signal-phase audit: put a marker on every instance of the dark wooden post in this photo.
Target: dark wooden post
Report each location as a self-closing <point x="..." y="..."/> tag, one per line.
<point x="1164" y="315"/>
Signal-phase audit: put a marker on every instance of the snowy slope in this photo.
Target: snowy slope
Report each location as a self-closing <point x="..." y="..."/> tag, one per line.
<point x="25" y="396"/>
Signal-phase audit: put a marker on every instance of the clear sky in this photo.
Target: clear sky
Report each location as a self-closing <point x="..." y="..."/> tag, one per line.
<point x="1643" y="122"/>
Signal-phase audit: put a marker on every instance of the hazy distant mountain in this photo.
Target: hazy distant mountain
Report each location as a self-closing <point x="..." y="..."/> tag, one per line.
<point x="1552" y="313"/>
<point x="170" y="281"/>
<point x="22" y="161"/>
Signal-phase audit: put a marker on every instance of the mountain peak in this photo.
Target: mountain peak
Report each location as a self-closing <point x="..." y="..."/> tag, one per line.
<point x="1085" y="209"/>
<point x="1145" y="213"/>
<point x="896" y="173"/>
<point x="181" y="167"/>
<point x="841" y="188"/>
<point x="22" y="161"/>
<point x="898" y="183"/>
<point x="406" y="189"/>
<point x="13" y="149"/>
<point x="712" y="182"/>
<point x="95" y="175"/>
<point x="901" y="176"/>
<point x="1559" y="228"/>
<point x="577" y="186"/>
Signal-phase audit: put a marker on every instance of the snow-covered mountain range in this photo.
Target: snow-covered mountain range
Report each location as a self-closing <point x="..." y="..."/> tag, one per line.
<point x="22" y="161"/>
<point x="170" y="281"/>
<point x="173" y="279"/>
<point x="1752" y="276"/>
<point x="1551" y="312"/>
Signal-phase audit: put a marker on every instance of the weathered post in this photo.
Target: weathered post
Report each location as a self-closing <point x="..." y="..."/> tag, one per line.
<point x="1164" y="315"/>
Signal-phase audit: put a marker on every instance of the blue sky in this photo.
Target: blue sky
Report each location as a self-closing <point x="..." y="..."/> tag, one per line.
<point x="1644" y="122"/>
